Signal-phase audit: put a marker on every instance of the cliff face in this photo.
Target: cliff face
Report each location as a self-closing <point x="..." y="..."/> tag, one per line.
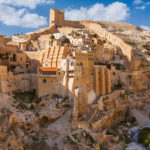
<point x="24" y="121"/>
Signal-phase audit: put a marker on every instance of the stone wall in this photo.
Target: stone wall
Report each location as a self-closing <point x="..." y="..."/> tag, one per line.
<point x="20" y="59"/>
<point x="115" y="115"/>
<point x="116" y="105"/>
<point x="3" y="72"/>
<point x="57" y="18"/>
<point x="2" y="42"/>
<point x="126" y="49"/>
<point x="80" y="102"/>
<point x="35" y="59"/>
<point x="74" y="24"/>
<point x="46" y="85"/>
<point x="83" y="71"/>
<point x="102" y="84"/>
<point x="20" y="82"/>
<point x="52" y="84"/>
<point x="4" y="47"/>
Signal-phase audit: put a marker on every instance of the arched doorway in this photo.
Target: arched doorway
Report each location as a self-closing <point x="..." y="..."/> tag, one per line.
<point x="14" y="57"/>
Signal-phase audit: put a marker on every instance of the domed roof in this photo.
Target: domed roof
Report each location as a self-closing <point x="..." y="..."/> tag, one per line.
<point x="64" y="39"/>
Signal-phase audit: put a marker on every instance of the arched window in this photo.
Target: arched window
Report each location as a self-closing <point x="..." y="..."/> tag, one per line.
<point x="44" y="80"/>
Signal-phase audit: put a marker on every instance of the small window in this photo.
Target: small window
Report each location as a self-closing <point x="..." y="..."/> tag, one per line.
<point x="44" y="80"/>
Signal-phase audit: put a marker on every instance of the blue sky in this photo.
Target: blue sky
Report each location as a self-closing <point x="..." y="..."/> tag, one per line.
<point x="22" y="16"/>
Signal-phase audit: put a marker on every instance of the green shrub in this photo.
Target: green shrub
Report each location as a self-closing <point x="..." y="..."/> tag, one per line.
<point x="144" y="137"/>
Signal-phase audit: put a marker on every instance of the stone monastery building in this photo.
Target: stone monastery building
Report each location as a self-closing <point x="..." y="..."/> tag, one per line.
<point x="61" y="58"/>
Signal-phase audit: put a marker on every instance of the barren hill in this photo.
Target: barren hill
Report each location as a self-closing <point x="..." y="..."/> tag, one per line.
<point x="135" y="36"/>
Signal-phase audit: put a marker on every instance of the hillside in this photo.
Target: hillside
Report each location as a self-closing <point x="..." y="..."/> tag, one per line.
<point x="135" y="36"/>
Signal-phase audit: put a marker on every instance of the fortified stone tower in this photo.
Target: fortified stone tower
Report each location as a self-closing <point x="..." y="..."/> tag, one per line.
<point x="56" y="17"/>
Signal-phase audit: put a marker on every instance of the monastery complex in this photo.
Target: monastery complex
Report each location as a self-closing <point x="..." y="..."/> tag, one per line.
<point x="76" y="59"/>
<point x="68" y="60"/>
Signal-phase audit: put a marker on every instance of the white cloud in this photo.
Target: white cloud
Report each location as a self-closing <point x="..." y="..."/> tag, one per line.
<point x="116" y="11"/>
<point x="26" y="3"/>
<point x="145" y="27"/>
<point x="12" y="17"/>
<point x="16" y="13"/>
<point x="141" y="7"/>
<point x="136" y="2"/>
